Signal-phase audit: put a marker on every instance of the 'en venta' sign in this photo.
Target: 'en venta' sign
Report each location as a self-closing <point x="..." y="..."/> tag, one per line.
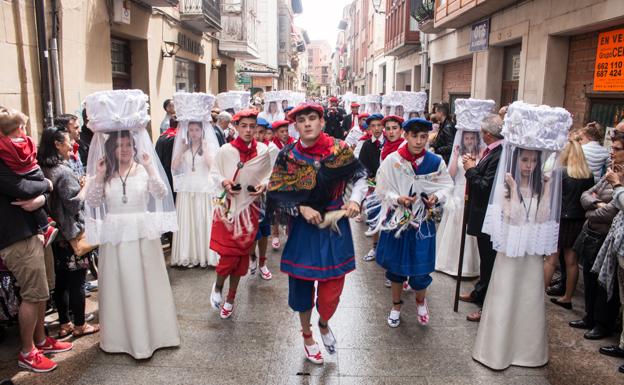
<point x="609" y="71"/>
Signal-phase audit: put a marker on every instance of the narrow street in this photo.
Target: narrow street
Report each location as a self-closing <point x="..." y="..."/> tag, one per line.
<point x="260" y="344"/>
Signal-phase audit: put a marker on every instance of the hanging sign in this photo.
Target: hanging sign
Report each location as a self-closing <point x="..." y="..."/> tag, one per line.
<point x="479" y="36"/>
<point x="609" y="71"/>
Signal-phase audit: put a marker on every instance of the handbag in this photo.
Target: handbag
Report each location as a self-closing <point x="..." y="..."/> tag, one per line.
<point x="80" y="245"/>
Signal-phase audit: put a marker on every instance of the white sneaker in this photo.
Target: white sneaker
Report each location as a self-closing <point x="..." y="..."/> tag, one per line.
<point x="372" y="254"/>
<point x="226" y="310"/>
<point x="253" y="266"/>
<point x="387" y="283"/>
<point x="422" y="311"/>
<point x="313" y="353"/>
<point x="329" y="340"/>
<point x="265" y="273"/>
<point x="394" y="319"/>
<point x="406" y="286"/>
<point x="215" y="297"/>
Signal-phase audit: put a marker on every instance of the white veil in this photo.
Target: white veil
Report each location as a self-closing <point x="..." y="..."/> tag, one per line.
<point x="373" y="104"/>
<point x="127" y="194"/>
<point x="273" y="110"/>
<point x="524" y="208"/>
<point x="409" y="104"/>
<point x="196" y="143"/>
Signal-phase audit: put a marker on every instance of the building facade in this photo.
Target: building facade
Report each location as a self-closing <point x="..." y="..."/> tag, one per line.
<point x="535" y="51"/>
<point x="159" y="47"/>
<point x="319" y="65"/>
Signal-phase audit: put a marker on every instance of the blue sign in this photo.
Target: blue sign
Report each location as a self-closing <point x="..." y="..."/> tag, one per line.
<point x="479" y="36"/>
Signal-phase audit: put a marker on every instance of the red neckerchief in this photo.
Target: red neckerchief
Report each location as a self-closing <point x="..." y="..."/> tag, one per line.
<point x="266" y="141"/>
<point x="281" y="144"/>
<point x="170" y="133"/>
<point x="20" y="157"/>
<point x="353" y="116"/>
<point x="246" y="151"/>
<point x="322" y="147"/>
<point x="367" y="135"/>
<point x="390" y="147"/>
<point x="405" y="154"/>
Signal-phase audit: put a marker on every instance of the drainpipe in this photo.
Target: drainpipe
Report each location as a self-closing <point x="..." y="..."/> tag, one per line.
<point x="424" y="62"/>
<point x="54" y="57"/>
<point x="46" y="102"/>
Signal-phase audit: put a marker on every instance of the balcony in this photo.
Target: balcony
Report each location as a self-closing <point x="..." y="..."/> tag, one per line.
<point x="458" y="13"/>
<point x="238" y="37"/>
<point x="159" y="3"/>
<point x="402" y="34"/>
<point x="201" y="15"/>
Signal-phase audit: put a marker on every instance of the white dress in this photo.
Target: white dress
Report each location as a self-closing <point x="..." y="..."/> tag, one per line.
<point x="191" y="244"/>
<point x="512" y="330"/>
<point x="449" y="233"/>
<point x="137" y="314"/>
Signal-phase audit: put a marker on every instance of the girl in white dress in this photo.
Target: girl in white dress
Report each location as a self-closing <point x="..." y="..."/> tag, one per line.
<point x="447" y="244"/>
<point x="470" y="113"/>
<point x="193" y="153"/>
<point x="129" y="205"/>
<point x="523" y="220"/>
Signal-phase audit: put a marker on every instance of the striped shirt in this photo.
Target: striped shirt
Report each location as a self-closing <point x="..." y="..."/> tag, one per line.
<point x="597" y="158"/>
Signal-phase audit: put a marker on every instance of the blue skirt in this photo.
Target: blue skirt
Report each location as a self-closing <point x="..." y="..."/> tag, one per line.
<point x="318" y="254"/>
<point x="413" y="253"/>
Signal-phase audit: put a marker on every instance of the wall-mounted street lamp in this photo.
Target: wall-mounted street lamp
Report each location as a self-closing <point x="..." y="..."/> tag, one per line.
<point x="170" y="48"/>
<point x="216" y="63"/>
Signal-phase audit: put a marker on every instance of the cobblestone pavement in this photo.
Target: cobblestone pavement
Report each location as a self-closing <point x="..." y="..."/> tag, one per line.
<point x="261" y="343"/>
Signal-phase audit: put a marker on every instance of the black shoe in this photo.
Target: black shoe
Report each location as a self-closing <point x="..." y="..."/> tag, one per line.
<point x="556" y="290"/>
<point x="621" y="369"/>
<point x="613" y="351"/>
<point x="597" y="333"/>
<point x="580" y="324"/>
<point x="565" y="305"/>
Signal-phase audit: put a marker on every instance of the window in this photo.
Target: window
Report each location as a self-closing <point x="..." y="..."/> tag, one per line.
<point x="186" y="75"/>
<point x="120" y="60"/>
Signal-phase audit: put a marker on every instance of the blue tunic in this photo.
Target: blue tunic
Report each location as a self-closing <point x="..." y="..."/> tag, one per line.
<point x="317" y="254"/>
<point x="413" y="253"/>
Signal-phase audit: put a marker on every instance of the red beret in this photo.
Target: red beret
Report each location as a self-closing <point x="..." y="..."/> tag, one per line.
<point x="395" y="118"/>
<point x="363" y="115"/>
<point x="305" y="107"/>
<point x="354" y="104"/>
<point x="333" y="99"/>
<point x="280" y="123"/>
<point x="248" y="113"/>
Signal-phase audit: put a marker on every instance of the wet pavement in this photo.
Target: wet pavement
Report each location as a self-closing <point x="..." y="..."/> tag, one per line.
<point x="261" y="343"/>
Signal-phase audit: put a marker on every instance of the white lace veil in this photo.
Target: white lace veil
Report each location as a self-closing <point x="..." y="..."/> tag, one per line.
<point x="468" y="141"/>
<point x="373" y="104"/>
<point x="273" y="110"/>
<point x="409" y="104"/>
<point x="233" y="101"/>
<point x="195" y="144"/>
<point x="127" y="194"/>
<point x="524" y="207"/>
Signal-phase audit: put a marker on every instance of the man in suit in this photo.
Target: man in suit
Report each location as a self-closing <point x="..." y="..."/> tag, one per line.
<point x="333" y="119"/>
<point x="350" y="120"/>
<point x="443" y="144"/>
<point x="480" y="179"/>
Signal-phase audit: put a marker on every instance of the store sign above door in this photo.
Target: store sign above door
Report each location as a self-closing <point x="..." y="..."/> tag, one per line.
<point x="609" y="71"/>
<point x="189" y="45"/>
<point x="480" y="36"/>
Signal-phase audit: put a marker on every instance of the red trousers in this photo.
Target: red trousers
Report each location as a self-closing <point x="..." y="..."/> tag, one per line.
<point x="302" y="293"/>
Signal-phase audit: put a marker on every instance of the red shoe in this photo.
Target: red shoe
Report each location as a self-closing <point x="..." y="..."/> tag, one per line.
<point x="51" y="346"/>
<point x="49" y="236"/>
<point x="36" y="361"/>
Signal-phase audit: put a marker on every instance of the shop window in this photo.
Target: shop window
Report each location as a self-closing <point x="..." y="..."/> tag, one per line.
<point x="186" y="75"/>
<point x="120" y="60"/>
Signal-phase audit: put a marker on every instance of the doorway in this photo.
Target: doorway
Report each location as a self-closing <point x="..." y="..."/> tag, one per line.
<point x="511" y="74"/>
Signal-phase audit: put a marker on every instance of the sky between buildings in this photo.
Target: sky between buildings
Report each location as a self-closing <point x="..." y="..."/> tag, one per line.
<point x="320" y="18"/>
